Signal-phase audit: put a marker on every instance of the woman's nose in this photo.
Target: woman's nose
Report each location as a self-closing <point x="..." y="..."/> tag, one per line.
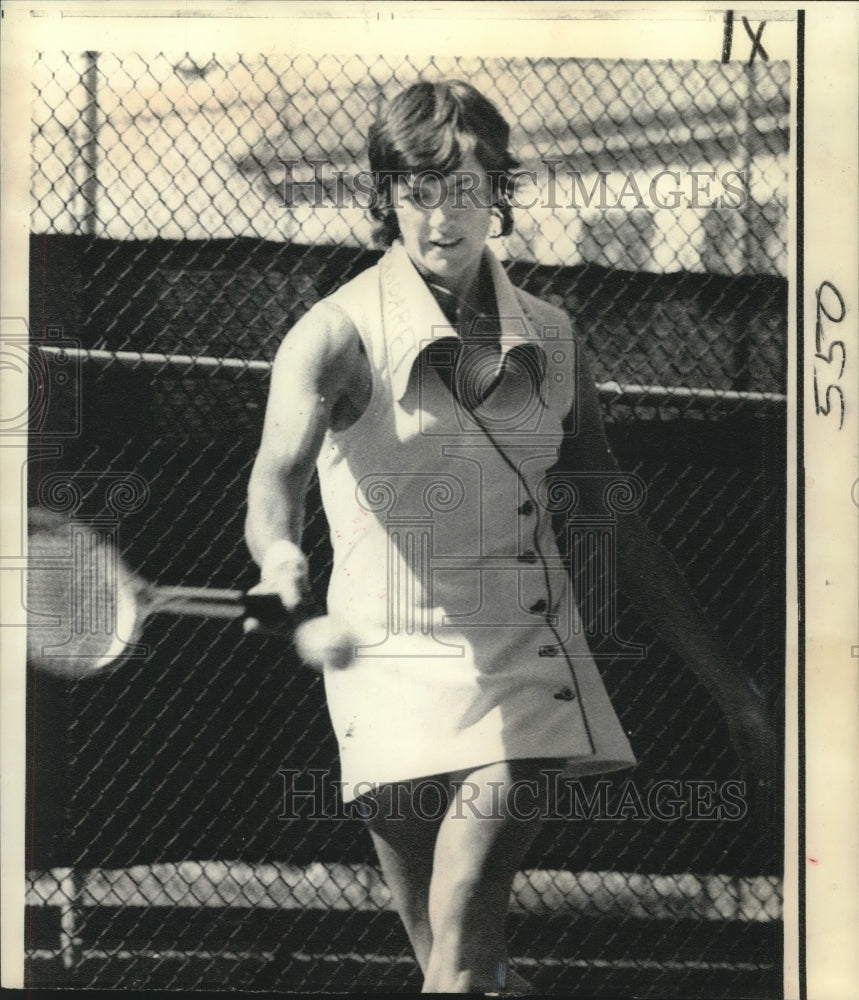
<point x="441" y="211"/>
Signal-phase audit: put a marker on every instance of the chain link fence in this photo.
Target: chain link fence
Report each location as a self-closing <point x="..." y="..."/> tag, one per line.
<point x="186" y="830"/>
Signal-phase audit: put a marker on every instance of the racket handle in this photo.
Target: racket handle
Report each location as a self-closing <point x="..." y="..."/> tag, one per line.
<point x="208" y="602"/>
<point x="269" y="611"/>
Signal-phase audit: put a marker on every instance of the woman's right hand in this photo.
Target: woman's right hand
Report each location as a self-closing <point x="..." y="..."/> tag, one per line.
<point x="284" y="575"/>
<point x="285" y="572"/>
<point x="287" y="611"/>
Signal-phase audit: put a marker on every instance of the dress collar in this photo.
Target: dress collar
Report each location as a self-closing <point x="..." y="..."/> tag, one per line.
<point x="413" y="318"/>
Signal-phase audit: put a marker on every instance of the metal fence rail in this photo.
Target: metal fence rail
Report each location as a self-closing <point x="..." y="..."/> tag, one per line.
<point x="186" y="211"/>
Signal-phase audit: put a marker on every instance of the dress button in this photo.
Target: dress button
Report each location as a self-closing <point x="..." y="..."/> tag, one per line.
<point x="526" y="508"/>
<point x="565" y="694"/>
<point x="538" y="607"/>
<point x="529" y="556"/>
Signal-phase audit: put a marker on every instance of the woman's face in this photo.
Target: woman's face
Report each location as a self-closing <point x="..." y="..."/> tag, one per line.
<point x="444" y="222"/>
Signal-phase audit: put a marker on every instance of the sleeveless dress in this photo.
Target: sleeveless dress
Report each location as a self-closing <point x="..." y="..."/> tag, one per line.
<point x="469" y="645"/>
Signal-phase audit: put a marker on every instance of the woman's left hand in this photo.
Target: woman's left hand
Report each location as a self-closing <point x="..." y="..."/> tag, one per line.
<point x="754" y="741"/>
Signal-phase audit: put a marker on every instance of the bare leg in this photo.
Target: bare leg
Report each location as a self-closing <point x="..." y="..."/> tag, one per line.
<point x="405" y="841"/>
<point x="480" y="845"/>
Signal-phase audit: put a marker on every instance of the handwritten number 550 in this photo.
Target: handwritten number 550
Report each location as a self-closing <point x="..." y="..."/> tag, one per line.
<point x="830" y="305"/>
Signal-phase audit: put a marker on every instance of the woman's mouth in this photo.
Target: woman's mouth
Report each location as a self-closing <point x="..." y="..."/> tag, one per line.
<point x="446" y="244"/>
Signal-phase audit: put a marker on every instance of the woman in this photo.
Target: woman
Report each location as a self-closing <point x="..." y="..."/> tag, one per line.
<point x="434" y="398"/>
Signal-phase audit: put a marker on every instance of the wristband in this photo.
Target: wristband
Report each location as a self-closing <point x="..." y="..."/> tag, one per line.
<point x="283" y="552"/>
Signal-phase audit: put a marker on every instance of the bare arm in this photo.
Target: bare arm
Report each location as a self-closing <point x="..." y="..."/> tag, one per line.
<point x="309" y="380"/>
<point x="652" y="580"/>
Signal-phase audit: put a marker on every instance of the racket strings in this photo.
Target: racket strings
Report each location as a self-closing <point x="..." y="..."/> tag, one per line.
<point x="94" y="584"/>
<point x="81" y="602"/>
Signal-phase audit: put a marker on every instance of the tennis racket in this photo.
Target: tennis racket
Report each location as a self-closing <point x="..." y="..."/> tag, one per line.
<point x="86" y="609"/>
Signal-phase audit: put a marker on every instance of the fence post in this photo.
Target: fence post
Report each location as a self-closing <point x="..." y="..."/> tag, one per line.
<point x="89" y="188"/>
<point x="71" y="891"/>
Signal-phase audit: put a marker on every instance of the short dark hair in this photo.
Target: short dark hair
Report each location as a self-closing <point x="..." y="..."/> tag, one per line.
<point x="422" y="129"/>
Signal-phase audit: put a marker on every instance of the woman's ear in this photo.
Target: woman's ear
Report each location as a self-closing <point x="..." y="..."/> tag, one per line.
<point x="496" y="227"/>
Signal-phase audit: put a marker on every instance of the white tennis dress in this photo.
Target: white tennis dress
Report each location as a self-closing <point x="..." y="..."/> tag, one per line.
<point x="469" y="645"/>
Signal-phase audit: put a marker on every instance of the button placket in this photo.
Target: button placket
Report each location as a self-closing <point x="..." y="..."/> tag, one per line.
<point x="540" y="606"/>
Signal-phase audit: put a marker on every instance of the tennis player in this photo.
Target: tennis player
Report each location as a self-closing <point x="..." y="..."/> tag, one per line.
<point x="434" y="397"/>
